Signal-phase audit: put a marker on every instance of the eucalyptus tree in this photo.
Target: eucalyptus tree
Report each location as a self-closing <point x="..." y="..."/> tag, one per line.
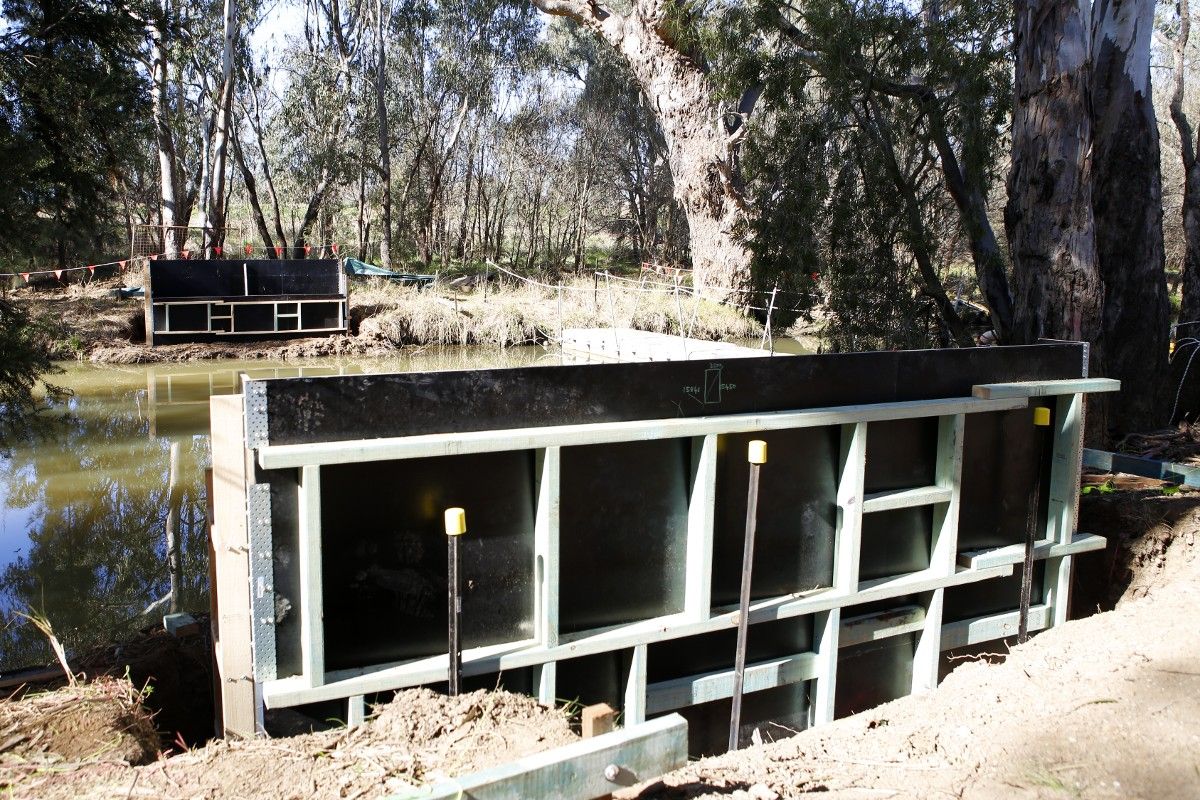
<point x="1189" y="310"/>
<point x="651" y="37"/>
<point x="71" y="108"/>
<point x="1127" y="203"/>
<point x="1049" y="216"/>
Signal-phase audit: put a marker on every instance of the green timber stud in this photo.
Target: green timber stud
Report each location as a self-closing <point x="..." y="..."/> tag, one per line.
<point x="589" y="768"/>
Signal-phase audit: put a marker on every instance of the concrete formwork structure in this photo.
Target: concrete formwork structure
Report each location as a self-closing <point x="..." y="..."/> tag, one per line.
<point x="196" y="300"/>
<point x="605" y="507"/>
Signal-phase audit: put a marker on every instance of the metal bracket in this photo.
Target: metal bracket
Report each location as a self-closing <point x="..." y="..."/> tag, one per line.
<point x="256" y="414"/>
<point x="262" y="580"/>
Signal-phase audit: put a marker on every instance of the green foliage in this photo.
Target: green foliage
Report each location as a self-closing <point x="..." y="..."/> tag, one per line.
<point x="844" y="163"/>
<point x="23" y="361"/>
<point x="73" y="101"/>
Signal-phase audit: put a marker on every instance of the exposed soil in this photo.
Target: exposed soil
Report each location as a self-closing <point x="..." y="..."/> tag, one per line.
<point x="1107" y="706"/>
<point x="419" y="738"/>
<point x="98" y="722"/>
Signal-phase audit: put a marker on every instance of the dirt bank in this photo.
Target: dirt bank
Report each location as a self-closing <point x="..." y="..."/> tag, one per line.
<point x="1107" y="706"/>
<point x="419" y="738"/>
<point x="89" y="323"/>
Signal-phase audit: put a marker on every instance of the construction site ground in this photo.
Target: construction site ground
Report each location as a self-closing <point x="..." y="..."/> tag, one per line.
<point x="1105" y="706"/>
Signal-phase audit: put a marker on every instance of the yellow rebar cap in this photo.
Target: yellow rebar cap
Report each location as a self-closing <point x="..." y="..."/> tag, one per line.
<point x="1041" y="416"/>
<point x="758" y="452"/>
<point x="456" y="522"/>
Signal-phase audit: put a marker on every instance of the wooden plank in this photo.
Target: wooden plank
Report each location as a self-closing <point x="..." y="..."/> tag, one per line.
<point x="848" y="536"/>
<point x="586" y="769"/>
<point x="311" y="606"/>
<point x="597" y="720"/>
<point x="231" y="548"/>
<point x="1144" y="467"/>
<point x="948" y="477"/>
<point x="1056" y="588"/>
<point x="988" y="628"/>
<point x="356" y="711"/>
<point x="718" y="685"/>
<point x="1015" y="553"/>
<point x="636" y="697"/>
<point x="991" y="391"/>
<point x="880" y="625"/>
<point x="1066" y="461"/>
<point x="516" y="655"/>
<point x="827" y="632"/>
<point x="291" y="456"/>
<point x="928" y="653"/>
<point x="546" y="545"/>
<point x="697" y="601"/>
<point x="905" y="498"/>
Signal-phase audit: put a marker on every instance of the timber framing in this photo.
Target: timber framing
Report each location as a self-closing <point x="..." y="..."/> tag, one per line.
<point x="917" y="601"/>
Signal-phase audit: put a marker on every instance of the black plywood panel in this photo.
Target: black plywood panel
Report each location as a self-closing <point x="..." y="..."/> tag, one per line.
<point x="384" y="555"/>
<point x="184" y="278"/>
<point x="623" y="531"/>
<point x="333" y="409"/>
<point x="797" y="513"/>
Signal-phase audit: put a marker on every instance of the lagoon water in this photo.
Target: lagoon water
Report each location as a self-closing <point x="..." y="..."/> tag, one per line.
<point x="83" y="506"/>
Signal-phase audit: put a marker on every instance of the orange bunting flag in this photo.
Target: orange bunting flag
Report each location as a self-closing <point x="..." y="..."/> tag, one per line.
<point x="92" y="269"/>
<point x="307" y="249"/>
<point x="278" y="252"/>
<point x="249" y="249"/>
<point x="217" y="250"/>
<point x="58" y="274"/>
<point x="25" y="275"/>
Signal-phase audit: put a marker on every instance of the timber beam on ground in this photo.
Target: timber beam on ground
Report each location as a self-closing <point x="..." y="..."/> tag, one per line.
<point x="1142" y="467"/>
<point x="590" y="768"/>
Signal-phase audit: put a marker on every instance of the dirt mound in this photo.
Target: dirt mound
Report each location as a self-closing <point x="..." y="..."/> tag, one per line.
<point x="472" y="731"/>
<point x="1107" y="706"/>
<point x="99" y="721"/>
<point x="418" y="738"/>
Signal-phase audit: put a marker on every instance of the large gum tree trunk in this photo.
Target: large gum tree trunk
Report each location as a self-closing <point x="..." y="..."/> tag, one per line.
<point x="1049" y="218"/>
<point x="700" y="153"/>
<point x="1189" y="311"/>
<point x="168" y="168"/>
<point x="1127" y="200"/>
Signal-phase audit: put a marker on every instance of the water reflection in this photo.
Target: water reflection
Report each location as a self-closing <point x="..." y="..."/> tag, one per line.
<point x="83" y="506"/>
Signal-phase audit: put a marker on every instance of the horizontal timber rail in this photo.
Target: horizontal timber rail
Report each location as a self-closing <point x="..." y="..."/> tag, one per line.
<point x="438" y="444"/>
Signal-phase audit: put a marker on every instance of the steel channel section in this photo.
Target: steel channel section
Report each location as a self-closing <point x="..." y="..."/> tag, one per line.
<point x="322" y="410"/>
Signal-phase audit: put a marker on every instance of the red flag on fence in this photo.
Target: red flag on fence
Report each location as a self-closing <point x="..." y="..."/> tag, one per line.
<point x="58" y="274"/>
<point x="92" y="269"/>
<point x="278" y="252"/>
<point x="249" y="249"/>
<point x="187" y="254"/>
<point x="122" y="263"/>
<point x="25" y="275"/>
<point x="307" y="249"/>
<point x="334" y="248"/>
<point x="217" y="250"/>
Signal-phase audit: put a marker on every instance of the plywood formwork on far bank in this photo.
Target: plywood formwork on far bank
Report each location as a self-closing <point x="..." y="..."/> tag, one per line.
<point x="605" y="508"/>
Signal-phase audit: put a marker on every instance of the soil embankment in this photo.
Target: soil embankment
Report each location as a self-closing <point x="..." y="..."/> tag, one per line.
<point x="89" y="323"/>
<point x="1103" y="707"/>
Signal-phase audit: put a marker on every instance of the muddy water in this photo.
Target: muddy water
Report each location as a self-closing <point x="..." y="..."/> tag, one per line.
<point x="83" y="507"/>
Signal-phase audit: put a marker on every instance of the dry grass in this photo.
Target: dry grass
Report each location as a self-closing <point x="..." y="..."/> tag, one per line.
<point x="524" y="313"/>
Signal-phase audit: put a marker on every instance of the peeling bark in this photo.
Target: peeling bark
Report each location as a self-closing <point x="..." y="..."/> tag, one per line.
<point x="1051" y="229"/>
<point x="1127" y="203"/>
<point x="700" y="153"/>
<point x="1189" y="310"/>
